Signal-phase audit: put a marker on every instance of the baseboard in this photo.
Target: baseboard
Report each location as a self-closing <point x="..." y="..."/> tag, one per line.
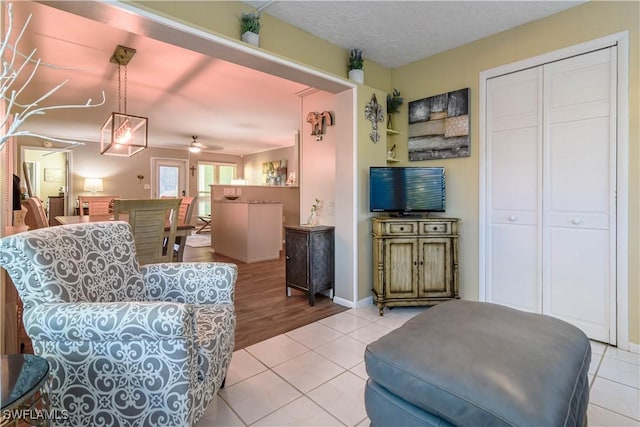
<point x="365" y="302"/>
<point x="346" y="303"/>
<point x="343" y="302"/>
<point x="634" y="348"/>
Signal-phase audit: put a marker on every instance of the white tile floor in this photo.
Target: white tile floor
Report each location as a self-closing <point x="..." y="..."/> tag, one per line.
<point x="315" y="376"/>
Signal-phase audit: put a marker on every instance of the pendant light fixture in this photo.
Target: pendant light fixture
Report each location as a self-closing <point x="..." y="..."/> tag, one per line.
<point x="123" y="134"/>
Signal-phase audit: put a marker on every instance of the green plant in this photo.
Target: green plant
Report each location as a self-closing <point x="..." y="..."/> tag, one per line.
<point x="314" y="211"/>
<point x="356" y="62"/>
<point x="250" y="22"/>
<point x="394" y="101"/>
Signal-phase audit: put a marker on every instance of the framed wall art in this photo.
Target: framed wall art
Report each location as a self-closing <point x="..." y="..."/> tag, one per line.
<point x="275" y="172"/>
<point x="53" y="174"/>
<point x="439" y="126"/>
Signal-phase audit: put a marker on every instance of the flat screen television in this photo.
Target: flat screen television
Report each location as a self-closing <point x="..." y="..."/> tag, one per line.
<point x="407" y="190"/>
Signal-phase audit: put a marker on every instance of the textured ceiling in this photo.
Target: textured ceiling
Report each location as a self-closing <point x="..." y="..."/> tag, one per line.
<point x="395" y="33"/>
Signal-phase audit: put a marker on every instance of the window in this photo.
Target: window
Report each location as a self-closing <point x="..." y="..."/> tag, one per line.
<point x="212" y="173"/>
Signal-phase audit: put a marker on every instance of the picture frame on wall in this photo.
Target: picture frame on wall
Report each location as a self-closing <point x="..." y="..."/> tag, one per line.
<point x="53" y="175"/>
<point x="439" y="126"/>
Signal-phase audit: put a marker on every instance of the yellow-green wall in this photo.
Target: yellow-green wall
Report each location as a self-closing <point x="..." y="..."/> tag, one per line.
<point x="454" y="69"/>
<point x="460" y="68"/>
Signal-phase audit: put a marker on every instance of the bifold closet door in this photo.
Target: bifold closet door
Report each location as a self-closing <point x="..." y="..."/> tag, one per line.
<point x="550" y="191"/>
<point x="513" y="204"/>
<point x="579" y="191"/>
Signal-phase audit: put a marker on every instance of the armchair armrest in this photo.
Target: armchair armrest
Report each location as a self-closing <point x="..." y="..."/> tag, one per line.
<point x="191" y="282"/>
<point x="111" y="321"/>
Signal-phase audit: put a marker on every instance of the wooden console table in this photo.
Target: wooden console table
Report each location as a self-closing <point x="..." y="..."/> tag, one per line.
<point x="415" y="261"/>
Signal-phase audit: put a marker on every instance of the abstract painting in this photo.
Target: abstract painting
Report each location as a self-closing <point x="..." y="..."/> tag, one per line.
<point x="439" y="126"/>
<point x="275" y="172"/>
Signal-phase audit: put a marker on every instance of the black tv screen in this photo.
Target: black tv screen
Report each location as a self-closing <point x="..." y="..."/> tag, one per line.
<point x="404" y="190"/>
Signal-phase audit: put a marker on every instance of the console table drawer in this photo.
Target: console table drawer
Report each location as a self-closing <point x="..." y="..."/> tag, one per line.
<point x="399" y="228"/>
<point x="435" y="228"/>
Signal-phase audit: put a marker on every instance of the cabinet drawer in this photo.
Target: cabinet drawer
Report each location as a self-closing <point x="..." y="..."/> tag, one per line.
<point x="435" y="228"/>
<point x="400" y="228"/>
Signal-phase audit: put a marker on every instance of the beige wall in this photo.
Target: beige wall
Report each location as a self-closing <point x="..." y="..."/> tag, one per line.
<point x="460" y="68"/>
<point x="277" y="37"/>
<point x="253" y="163"/>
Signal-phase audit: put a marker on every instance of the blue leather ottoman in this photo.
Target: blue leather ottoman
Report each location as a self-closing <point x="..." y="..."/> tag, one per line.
<point x="473" y="364"/>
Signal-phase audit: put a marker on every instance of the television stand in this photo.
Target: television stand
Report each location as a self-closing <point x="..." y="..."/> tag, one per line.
<point x="415" y="261"/>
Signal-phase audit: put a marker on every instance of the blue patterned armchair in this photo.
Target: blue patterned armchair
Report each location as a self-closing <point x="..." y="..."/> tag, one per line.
<point x="127" y="345"/>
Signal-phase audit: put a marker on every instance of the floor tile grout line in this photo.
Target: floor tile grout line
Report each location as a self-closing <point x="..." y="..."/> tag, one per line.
<point x="595" y="373"/>
<point x="615" y="412"/>
<point x="232" y="410"/>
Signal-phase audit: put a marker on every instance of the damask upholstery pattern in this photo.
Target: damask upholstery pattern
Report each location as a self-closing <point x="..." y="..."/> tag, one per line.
<point x="127" y="345"/>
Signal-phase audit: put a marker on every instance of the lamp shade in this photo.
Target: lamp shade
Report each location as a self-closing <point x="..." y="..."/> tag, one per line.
<point x="93" y="184"/>
<point x="123" y="135"/>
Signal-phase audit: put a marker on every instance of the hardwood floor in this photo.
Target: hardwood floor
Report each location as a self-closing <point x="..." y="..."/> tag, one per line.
<point x="262" y="307"/>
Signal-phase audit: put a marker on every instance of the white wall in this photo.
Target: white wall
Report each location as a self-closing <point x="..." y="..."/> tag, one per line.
<point x="318" y="161"/>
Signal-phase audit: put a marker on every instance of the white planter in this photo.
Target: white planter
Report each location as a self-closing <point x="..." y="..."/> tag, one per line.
<point x="251" y="38"/>
<point x="357" y="76"/>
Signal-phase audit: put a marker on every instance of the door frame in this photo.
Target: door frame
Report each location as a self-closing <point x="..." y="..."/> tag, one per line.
<point x="67" y="167"/>
<point x="183" y="164"/>
<point x="619" y="304"/>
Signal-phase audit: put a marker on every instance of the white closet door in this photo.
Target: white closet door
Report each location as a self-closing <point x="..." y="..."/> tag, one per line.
<point x="579" y="188"/>
<point x="514" y="163"/>
<point x="550" y="191"/>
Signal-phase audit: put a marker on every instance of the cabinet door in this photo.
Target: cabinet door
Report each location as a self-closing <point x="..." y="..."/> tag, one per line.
<point x="435" y="265"/>
<point x="401" y="268"/>
<point x="296" y="258"/>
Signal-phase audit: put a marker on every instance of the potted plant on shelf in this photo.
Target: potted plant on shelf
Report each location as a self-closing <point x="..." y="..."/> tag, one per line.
<point x="356" y="64"/>
<point x="394" y="101"/>
<point x="250" y="27"/>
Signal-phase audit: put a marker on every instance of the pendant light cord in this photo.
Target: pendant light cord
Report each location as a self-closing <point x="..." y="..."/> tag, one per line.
<point x="120" y="103"/>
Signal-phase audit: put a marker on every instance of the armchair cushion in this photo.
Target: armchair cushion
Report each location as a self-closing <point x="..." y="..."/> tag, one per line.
<point x="126" y="346"/>
<point x="111" y="321"/>
<point x="192" y="283"/>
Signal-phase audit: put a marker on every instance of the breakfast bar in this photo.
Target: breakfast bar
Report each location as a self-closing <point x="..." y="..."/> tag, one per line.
<point x="247" y="230"/>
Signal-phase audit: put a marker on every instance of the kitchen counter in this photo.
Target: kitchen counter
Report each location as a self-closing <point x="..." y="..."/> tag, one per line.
<point x="247" y="230"/>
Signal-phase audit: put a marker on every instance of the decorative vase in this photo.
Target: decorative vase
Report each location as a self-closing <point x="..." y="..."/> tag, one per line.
<point x="389" y="122"/>
<point x="251" y="38"/>
<point x="357" y="75"/>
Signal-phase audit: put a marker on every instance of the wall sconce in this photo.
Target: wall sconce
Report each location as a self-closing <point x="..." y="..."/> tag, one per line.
<point x="140" y="178"/>
<point x="93" y="185"/>
<point x="193" y="170"/>
<point x="375" y="114"/>
<point x="319" y="123"/>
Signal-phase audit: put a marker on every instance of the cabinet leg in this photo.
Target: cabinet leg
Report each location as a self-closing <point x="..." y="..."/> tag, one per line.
<point x="380" y="309"/>
<point x="312" y="299"/>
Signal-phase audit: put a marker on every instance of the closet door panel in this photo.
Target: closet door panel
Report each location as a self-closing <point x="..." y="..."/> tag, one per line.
<point x="513" y="270"/>
<point x="576" y="272"/>
<point x="514" y="157"/>
<point x="514" y="172"/>
<point x="579" y="166"/>
<point x="579" y="187"/>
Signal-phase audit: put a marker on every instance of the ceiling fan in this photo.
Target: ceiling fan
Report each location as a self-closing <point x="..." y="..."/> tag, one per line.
<point x="195" y="146"/>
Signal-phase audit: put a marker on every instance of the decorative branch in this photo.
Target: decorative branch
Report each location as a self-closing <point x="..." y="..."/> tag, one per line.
<point x="9" y="92"/>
